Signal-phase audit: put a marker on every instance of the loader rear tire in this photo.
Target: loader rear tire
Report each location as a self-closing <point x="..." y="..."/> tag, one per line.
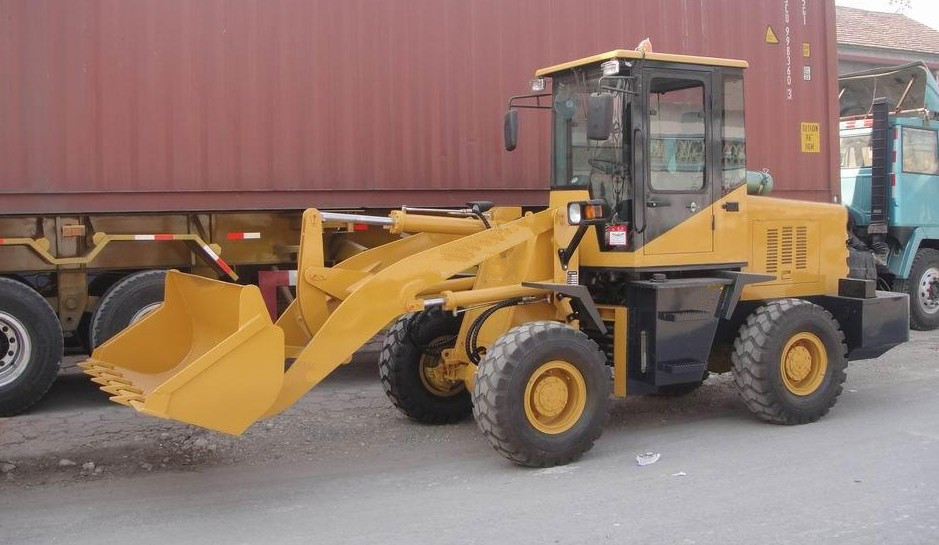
<point x="126" y="302"/>
<point x="30" y="347"/>
<point x="789" y="362"/>
<point x="407" y="366"/>
<point x="542" y="394"/>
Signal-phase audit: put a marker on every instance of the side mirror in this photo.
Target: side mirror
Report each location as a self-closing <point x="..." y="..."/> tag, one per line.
<point x="511" y="129"/>
<point x="600" y="116"/>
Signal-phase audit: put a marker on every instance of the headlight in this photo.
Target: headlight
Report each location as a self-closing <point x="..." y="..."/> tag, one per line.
<point x="573" y="213"/>
<point x="610" y="68"/>
<point x="537" y="85"/>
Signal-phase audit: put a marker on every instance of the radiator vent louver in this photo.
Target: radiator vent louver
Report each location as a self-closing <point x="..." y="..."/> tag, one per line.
<point x="802" y="247"/>
<point x="787" y="248"/>
<point x="772" y="250"/>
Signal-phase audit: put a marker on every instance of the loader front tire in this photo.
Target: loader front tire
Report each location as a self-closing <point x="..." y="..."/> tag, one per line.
<point x="409" y="370"/>
<point x="789" y="362"/>
<point x="542" y="394"/>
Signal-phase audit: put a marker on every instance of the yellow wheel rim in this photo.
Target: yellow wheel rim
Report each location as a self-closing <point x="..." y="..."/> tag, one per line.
<point x="434" y="378"/>
<point x="555" y="397"/>
<point x="803" y="364"/>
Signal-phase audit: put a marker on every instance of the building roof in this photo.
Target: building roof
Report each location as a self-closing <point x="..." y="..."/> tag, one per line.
<point x="885" y="31"/>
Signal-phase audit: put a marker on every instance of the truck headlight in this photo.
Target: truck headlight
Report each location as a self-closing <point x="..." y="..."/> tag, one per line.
<point x="537" y="85"/>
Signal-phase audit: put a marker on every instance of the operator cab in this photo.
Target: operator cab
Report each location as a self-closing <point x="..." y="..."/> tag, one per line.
<point x="657" y="138"/>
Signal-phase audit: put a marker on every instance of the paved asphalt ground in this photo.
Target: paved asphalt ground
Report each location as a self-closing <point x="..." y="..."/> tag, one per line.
<point x="343" y="467"/>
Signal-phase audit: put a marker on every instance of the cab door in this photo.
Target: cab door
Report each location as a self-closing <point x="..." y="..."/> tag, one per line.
<point x="678" y="144"/>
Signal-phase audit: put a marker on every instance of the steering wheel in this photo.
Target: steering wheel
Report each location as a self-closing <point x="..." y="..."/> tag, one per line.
<point x="606" y="166"/>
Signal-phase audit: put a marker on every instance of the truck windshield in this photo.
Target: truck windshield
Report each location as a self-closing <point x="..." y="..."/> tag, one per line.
<point x="601" y="166"/>
<point x="856" y="151"/>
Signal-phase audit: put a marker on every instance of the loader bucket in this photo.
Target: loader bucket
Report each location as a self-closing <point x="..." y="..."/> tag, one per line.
<point x="208" y="356"/>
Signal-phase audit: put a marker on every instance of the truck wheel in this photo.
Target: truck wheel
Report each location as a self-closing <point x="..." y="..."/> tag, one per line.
<point x="542" y="394"/>
<point x="410" y="372"/>
<point x="789" y="362"/>
<point x="923" y="288"/>
<point x="127" y="301"/>
<point x="30" y="347"/>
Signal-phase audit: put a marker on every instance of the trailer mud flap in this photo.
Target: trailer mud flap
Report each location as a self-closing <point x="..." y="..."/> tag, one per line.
<point x="208" y="356"/>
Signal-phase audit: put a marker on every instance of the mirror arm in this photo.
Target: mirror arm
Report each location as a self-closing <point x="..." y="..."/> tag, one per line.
<point x="565" y="253"/>
<point x="536" y="96"/>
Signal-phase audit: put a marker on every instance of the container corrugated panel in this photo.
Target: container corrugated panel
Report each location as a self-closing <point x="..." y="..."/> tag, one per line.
<point x="168" y="105"/>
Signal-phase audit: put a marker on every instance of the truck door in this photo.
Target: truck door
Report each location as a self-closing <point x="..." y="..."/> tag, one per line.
<point x="677" y="123"/>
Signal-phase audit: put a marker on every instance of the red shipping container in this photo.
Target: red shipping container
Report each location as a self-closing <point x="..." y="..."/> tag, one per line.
<point x="175" y="105"/>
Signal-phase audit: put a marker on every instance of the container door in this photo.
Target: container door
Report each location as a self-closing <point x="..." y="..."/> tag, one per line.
<point x="678" y="125"/>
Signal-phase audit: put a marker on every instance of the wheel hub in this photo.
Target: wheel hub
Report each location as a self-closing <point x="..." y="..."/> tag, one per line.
<point x="433" y="373"/>
<point x="803" y="364"/>
<point x="798" y="363"/>
<point x="929" y="290"/>
<point x="15" y="348"/>
<point x="147" y="309"/>
<point x="550" y="396"/>
<point x="555" y="397"/>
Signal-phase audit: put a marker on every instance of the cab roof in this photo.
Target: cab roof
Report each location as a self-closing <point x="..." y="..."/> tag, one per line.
<point x="631" y="55"/>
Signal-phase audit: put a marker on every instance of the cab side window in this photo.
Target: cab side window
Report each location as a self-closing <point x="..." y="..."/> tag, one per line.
<point x="920" y="151"/>
<point x="733" y="141"/>
<point x="677" y="136"/>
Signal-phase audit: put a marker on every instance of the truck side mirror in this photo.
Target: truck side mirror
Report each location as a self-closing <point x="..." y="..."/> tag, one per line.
<point x="511" y="129"/>
<point x="600" y="116"/>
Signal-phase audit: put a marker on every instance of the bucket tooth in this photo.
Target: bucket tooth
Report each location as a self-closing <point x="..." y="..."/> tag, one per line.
<point x="95" y="364"/>
<point x="106" y="381"/>
<point x="120" y="389"/>
<point x="125" y="400"/>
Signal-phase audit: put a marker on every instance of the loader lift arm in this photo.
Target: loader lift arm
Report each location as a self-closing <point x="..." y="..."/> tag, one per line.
<point x="210" y="355"/>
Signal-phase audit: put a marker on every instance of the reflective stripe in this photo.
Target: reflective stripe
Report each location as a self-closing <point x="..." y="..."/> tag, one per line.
<point x="155" y="237"/>
<point x="291" y="278"/>
<point x="858" y="124"/>
<point x="213" y="255"/>
<point x="244" y="236"/>
<point x="225" y="267"/>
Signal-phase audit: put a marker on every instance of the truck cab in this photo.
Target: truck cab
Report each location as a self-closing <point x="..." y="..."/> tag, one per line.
<point x="889" y="133"/>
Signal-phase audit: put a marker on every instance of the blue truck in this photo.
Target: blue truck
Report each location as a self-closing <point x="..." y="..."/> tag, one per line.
<point x="889" y="130"/>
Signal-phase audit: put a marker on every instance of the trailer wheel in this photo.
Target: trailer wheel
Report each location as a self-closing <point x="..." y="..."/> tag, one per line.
<point x="542" y="394"/>
<point x="410" y="371"/>
<point x="789" y="362"/>
<point x="30" y="347"/>
<point x="126" y="302"/>
<point x="923" y="288"/>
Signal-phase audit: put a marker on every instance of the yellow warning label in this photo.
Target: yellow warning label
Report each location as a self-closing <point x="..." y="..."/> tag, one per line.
<point x="811" y="138"/>
<point x="771" y="35"/>
<point x="806" y="50"/>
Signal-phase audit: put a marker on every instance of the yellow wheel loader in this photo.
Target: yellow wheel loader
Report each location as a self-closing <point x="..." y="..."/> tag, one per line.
<point x="651" y="267"/>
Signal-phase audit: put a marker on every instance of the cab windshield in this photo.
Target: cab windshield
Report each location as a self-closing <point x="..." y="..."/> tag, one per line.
<point x="601" y="166"/>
